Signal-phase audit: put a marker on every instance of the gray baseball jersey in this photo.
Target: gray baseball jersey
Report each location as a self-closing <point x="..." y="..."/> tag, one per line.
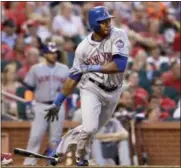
<point x="92" y="52"/>
<point x="48" y="80"/>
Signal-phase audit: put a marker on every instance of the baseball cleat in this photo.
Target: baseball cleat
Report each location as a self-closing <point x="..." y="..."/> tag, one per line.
<point x="6" y="158"/>
<point x="82" y="162"/>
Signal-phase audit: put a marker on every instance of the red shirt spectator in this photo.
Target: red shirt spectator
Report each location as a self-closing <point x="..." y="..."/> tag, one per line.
<point x="140" y="97"/>
<point x="4" y="50"/>
<point x="167" y="104"/>
<point x="15" y="56"/>
<point x="169" y="80"/>
<point x="23" y="71"/>
<point x="164" y="104"/>
<point x="176" y="43"/>
<point x="172" y="77"/>
<point x="135" y="51"/>
<point x="16" y="12"/>
<point x="18" y="53"/>
<point x="32" y="57"/>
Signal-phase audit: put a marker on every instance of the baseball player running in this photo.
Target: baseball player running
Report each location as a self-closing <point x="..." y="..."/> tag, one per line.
<point x="45" y="79"/>
<point x="99" y="65"/>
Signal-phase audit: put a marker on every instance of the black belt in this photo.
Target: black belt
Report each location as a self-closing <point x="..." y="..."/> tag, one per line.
<point x="47" y="102"/>
<point x="103" y="87"/>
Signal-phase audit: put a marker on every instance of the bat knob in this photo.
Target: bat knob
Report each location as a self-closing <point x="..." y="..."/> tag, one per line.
<point x="16" y="151"/>
<point x="54" y="162"/>
<point x="57" y="159"/>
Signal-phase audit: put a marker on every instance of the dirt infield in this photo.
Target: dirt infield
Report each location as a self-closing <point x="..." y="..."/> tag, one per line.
<point x="92" y="166"/>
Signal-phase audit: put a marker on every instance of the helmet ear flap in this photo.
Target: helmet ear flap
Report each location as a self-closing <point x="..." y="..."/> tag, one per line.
<point x="93" y="24"/>
<point x="97" y="28"/>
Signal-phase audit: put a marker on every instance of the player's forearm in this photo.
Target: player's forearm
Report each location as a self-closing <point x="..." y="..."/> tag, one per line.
<point x="118" y="64"/>
<point x="67" y="89"/>
<point x="110" y="68"/>
<point x="69" y="86"/>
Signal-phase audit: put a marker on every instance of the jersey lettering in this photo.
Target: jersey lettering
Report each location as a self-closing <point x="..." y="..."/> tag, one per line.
<point x="48" y="78"/>
<point x="91" y="52"/>
<point x="99" y="59"/>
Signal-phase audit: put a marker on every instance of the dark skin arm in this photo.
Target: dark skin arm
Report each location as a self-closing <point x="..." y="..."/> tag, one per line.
<point x="109" y="68"/>
<point x="69" y="86"/>
<point x="117" y="65"/>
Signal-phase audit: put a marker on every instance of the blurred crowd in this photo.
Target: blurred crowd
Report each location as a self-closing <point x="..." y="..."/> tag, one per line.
<point x="152" y="82"/>
<point x="151" y="89"/>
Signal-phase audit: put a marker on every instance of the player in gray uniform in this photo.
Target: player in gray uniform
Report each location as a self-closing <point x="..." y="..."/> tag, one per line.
<point x="46" y="79"/>
<point x="99" y="65"/>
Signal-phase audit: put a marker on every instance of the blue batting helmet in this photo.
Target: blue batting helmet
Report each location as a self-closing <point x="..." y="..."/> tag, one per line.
<point x="50" y="48"/>
<point x="96" y="15"/>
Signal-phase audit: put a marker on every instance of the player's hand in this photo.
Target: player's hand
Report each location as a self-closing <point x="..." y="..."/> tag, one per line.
<point x="52" y="113"/>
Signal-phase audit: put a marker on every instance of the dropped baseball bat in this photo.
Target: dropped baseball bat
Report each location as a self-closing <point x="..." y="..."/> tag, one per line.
<point x="26" y="153"/>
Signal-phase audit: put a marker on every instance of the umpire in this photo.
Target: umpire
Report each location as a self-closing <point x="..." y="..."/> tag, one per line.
<point x="45" y="79"/>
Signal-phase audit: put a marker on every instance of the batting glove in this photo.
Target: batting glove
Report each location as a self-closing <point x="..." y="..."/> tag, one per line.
<point x="52" y="113"/>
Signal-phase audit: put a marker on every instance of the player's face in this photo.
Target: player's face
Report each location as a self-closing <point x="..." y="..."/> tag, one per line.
<point x="105" y="27"/>
<point x="51" y="57"/>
